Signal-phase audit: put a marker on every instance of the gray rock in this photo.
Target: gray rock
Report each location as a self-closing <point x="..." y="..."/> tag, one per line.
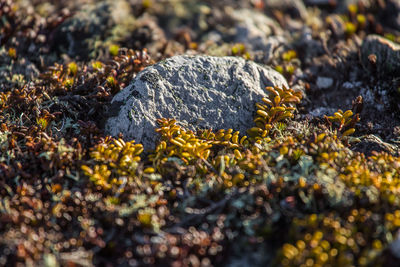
<point x="147" y="34"/>
<point x="391" y="14"/>
<point x="309" y="47"/>
<point x="371" y="143"/>
<point x="253" y="28"/>
<point x="394" y="247"/>
<point x="324" y="82"/>
<point x="380" y="54"/>
<point x="198" y="91"/>
<point x="271" y="47"/>
<point x="96" y="25"/>
<point x="259" y="33"/>
<point x="321" y="111"/>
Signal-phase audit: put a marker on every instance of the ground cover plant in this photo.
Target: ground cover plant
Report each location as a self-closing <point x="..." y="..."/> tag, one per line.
<point x="315" y="182"/>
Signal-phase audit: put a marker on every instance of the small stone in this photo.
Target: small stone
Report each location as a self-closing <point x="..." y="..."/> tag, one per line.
<point x="391" y="14"/>
<point x="324" y="82"/>
<point x="253" y="28"/>
<point x="259" y="33"/>
<point x="148" y="34"/>
<point x="321" y="111"/>
<point x="370" y="143"/>
<point x="200" y="92"/>
<point x="307" y="46"/>
<point x="96" y="24"/>
<point x="380" y="54"/>
<point x="394" y="247"/>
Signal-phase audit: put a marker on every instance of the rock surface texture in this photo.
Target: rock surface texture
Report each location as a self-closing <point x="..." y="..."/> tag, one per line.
<point x="381" y="54"/>
<point x="198" y="91"/>
<point x="103" y="22"/>
<point x="259" y="33"/>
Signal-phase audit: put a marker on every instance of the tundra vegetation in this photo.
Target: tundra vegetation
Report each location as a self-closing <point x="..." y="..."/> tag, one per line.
<point x="306" y="186"/>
